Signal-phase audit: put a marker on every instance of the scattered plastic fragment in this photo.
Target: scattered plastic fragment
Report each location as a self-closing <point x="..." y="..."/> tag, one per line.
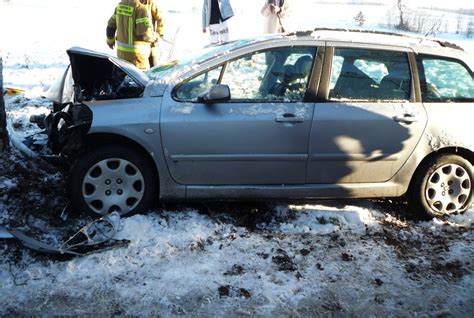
<point x="10" y="91"/>
<point x="95" y="236"/>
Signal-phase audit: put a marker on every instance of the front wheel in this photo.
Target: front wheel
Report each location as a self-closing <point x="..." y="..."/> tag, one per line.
<point x="443" y="186"/>
<point x="112" y="178"/>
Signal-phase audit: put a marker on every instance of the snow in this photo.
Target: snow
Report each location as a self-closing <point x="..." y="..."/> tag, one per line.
<point x="320" y="219"/>
<point x="177" y="260"/>
<point x="324" y="258"/>
<point x="184" y="109"/>
<point x="264" y="108"/>
<point x="6" y="183"/>
<point x="443" y="139"/>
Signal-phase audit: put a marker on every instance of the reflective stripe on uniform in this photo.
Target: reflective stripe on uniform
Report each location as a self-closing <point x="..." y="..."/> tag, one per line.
<point x="145" y="21"/>
<point x="130" y="31"/>
<point x="134" y="48"/>
<point x="124" y="10"/>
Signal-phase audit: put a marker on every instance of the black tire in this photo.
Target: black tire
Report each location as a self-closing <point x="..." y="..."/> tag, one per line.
<point x="442" y="186"/>
<point x="112" y="178"/>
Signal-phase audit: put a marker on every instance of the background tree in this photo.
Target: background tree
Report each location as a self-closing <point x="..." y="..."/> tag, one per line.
<point x="459" y="22"/>
<point x="470" y="29"/>
<point x="3" y="116"/>
<point x="360" y="18"/>
<point x="401" y="18"/>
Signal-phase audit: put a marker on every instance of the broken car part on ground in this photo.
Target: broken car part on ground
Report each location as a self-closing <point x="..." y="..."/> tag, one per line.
<point x="96" y="235"/>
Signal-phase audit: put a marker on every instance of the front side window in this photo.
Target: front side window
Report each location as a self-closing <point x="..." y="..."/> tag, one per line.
<point x="369" y="75"/>
<point x="280" y="74"/>
<point x="191" y="89"/>
<point x="446" y="80"/>
<point x="276" y="75"/>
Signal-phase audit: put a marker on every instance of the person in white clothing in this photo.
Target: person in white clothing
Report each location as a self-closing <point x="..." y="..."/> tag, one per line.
<point x="215" y="14"/>
<point x="274" y="12"/>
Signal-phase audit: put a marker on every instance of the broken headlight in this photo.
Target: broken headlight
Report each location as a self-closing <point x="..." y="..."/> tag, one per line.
<point x="66" y="128"/>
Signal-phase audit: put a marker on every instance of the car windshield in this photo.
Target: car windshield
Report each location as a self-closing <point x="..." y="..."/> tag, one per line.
<point x="174" y="68"/>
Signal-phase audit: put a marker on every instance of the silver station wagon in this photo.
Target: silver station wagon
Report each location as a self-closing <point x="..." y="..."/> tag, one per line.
<point x="318" y="114"/>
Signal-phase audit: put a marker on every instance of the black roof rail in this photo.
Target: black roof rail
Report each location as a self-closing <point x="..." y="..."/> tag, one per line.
<point x="449" y="44"/>
<point x="300" y="33"/>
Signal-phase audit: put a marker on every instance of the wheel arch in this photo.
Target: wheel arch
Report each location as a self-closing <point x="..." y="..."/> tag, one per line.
<point x="460" y="151"/>
<point x="97" y="139"/>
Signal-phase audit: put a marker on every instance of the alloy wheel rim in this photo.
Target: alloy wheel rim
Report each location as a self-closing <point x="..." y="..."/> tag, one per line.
<point x="113" y="184"/>
<point x="448" y="188"/>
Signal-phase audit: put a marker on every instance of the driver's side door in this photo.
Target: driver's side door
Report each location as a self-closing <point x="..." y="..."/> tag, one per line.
<point x="255" y="138"/>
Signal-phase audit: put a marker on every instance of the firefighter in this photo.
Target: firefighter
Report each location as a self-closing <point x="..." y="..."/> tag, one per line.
<point x="131" y="29"/>
<point x="157" y="22"/>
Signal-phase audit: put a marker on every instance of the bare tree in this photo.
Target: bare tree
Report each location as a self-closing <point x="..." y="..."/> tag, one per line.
<point x="470" y="29"/>
<point x="401" y="19"/>
<point x="3" y="116"/>
<point x="360" y="18"/>
<point x="420" y="20"/>
<point x="389" y="19"/>
<point x="460" y="22"/>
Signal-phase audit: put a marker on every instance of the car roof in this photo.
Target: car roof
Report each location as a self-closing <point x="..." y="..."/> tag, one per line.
<point x="379" y="37"/>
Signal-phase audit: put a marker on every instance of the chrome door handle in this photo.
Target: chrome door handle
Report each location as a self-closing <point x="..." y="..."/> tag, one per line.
<point x="289" y="118"/>
<point x="406" y="118"/>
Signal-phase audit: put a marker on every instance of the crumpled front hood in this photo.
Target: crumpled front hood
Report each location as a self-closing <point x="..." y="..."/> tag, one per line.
<point x="97" y="57"/>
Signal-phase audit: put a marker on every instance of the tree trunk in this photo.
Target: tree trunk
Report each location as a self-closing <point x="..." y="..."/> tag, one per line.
<point x="3" y="116"/>
<point x="401" y="22"/>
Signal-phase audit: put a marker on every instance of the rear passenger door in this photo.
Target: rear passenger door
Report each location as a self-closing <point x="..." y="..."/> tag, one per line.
<point x="368" y="122"/>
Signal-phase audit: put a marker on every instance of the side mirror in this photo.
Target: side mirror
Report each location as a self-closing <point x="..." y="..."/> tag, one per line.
<point x="217" y="93"/>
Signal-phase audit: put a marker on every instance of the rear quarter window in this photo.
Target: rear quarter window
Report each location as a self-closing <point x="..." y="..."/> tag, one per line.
<point x="446" y="80"/>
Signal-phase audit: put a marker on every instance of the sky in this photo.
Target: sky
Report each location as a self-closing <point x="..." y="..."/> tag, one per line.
<point x="452" y="4"/>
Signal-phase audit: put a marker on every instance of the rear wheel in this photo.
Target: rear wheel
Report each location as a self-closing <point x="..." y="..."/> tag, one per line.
<point x="443" y="186"/>
<point x="112" y="178"/>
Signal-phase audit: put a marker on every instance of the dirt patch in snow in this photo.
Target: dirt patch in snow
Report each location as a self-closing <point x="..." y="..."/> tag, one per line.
<point x="31" y="187"/>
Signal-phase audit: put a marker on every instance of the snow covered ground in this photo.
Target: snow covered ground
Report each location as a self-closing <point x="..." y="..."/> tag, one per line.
<point x="357" y="258"/>
<point x="258" y="259"/>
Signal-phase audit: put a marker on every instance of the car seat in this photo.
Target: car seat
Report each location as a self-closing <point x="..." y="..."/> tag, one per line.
<point x="294" y="77"/>
<point x="395" y="86"/>
<point x="353" y="83"/>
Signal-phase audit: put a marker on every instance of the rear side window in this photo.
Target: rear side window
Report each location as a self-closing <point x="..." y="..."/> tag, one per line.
<point x="360" y="74"/>
<point x="446" y="80"/>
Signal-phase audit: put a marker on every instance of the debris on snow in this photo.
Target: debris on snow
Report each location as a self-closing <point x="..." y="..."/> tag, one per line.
<point x="96" y="235"/>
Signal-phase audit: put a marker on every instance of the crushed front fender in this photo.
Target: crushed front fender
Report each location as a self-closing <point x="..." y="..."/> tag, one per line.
<point x="66" y="129"/>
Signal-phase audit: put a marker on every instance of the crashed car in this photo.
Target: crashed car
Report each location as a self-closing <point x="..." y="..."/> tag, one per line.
<point x="318" y="114"/>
